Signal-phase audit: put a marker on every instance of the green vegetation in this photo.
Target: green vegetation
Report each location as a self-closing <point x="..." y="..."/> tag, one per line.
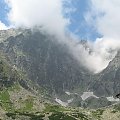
<point x="4" y="96"/>
<point x="60" y="116"/>
<point x="54" y="108"/>
<point x="81" y="116"/>
<point x="32" y="116"/>
<point x="5" y="102"/>
<point x="117" y="107"/>
<point x="28" y="104"/>
<point x="97" y="114"/>
<point x="62" y="113"/>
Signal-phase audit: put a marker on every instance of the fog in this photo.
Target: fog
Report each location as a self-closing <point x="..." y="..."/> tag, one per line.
<point x="49" y="15"/>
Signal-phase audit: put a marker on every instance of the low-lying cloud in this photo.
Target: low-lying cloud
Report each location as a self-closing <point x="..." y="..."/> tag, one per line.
<point x="103" y="16"/>
<point x="50" y="15"/>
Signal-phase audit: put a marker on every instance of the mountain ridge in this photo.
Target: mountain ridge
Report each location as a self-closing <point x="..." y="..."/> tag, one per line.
<point x="47" y="71"/>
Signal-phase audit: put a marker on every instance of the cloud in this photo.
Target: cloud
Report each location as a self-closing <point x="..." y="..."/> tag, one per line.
<point x="51" y="16"/>
<point x="105" y="13"/>
<point x="103" y="16"/>
<point x="3" y="26"/>
<point x="48" y="14"/>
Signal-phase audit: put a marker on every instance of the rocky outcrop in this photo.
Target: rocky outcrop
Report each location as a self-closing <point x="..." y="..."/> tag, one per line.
<point x="107" y="83"/>
<point x="45" y="61"/>
<point x="46" y="65"/>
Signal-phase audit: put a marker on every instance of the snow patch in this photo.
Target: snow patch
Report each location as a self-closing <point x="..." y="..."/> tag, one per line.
<point x="68" y="93"/>
<point x="112" y="99"/>
<point x="69" y="101"/>
<point x="87" y="95"/>
<point x="65" y="104"/>
<point x="61" y="102"/>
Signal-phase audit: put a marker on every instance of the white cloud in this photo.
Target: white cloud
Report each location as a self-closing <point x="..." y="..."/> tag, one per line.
<point x="107" y="24"/>
<point x="3" y="26"/>
<point x="104" y="16"/>
<point x="50" y="15"/>
<point x="45" y="13"/>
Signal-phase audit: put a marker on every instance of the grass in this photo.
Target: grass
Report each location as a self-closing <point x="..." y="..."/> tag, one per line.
<point x="4" y="96"/>
<point x="6" y="104"/>
<point x="62" y="113"/>
<point x="54" y="108"/>
<point x="60" y="116"/>
<point x="28" y="104"/>
<point x="30" y="115"/>
<point x="98" y="113"/>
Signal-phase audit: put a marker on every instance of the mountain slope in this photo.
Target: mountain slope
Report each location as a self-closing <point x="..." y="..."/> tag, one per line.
<point x="37" y="71"/>
<point x="14" y="94"/>
<point x="48" y="67"/>
<point x="107" y="83"/>
<point x="46" y="62"/>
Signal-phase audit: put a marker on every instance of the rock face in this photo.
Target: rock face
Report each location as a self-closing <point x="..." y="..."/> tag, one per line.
<point x="48" y="64"/>
<point x="8" y="75"/>
<point x="45" y="61"/>
<point x="107" y="83"/>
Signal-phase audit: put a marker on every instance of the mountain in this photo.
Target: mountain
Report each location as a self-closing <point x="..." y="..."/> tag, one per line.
<point x="46" y="62"/>
<point x="38" y="72"/>
<point x="107" y="83"/>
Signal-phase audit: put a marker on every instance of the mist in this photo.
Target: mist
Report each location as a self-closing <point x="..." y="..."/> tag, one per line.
<point x="50" y="16"/>
<point x="103" y="16"/>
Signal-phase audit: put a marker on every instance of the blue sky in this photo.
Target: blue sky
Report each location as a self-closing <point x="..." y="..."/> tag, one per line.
<point x="3" y="12"/>
<point x="78" y="24"/>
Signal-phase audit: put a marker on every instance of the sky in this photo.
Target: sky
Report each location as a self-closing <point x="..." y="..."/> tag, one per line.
<point x="97" y="21"/>
<point x="77" y="26"/>
<point x="3" y="12"/>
